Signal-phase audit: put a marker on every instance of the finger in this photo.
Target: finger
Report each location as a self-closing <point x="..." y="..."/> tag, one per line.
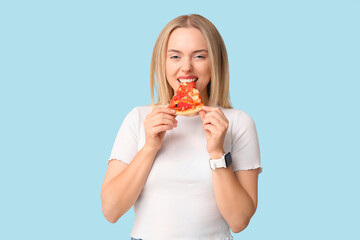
<point x="164" y="116"/>
<point x="161" y="128"/>
<point x="217" y="116"/>
<point x="211" y="119"/>
<point x="158" y="110"/>
<point x="215" y="110"/>
<point x="202" y="114"/>
<point x="208" y="108"/>
<point x="217" y="121"/>
<point x="161" y="121"/>
<point x="163" y="110"/>
<point x="166" y="110"/>
<point x="210" y="128"/>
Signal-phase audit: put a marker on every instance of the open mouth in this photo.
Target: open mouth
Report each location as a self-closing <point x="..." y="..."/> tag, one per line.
<point x="188" y="80"/>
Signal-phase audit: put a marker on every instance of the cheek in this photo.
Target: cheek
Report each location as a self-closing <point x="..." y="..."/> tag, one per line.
<point x="170" y="68"/>
<point x="167" y="70"/>
<point x="207" y="75"/>
<point x="170" y="78"/>
<point x="206" y="71"/>
<point x="206" y="68"/>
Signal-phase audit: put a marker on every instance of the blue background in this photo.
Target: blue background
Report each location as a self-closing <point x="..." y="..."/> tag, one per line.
<point x="67" y="69"/>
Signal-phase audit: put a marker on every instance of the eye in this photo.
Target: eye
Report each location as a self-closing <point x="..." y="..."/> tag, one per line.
<point x="199" y="56"/>
<point x="174" y="57"/>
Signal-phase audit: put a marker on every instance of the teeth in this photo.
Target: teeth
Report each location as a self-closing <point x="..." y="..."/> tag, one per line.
<point x="187" y="80"/>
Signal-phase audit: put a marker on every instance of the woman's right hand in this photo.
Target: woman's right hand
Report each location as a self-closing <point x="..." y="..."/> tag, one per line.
<point x="156" y="124"/>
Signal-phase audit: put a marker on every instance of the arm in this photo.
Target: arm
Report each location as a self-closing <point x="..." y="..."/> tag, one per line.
<point x="235" y="193"/>
<point x="123" y="183"/>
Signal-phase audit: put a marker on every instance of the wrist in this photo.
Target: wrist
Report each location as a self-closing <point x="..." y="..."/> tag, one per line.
<point x="216" y="154"/>
<point x="150" y="149"/>
<point x="223" y="162"/>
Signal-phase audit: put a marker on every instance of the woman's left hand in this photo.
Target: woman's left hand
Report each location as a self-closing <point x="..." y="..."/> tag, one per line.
<point x="215" y="125"/>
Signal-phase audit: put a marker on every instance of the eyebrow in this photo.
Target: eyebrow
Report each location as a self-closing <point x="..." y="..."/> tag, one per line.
<point x="197" y="51"/>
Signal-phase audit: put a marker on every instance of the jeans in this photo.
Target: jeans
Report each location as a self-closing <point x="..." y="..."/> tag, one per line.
<point x="141" y="239"/>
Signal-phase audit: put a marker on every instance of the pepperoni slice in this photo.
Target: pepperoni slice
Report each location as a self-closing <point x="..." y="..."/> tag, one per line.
<point x="183" y="102"/>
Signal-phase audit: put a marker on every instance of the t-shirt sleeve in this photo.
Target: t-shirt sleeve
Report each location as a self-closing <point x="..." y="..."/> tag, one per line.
<point x="245" y="151"/>
<point x="126" y="143"/>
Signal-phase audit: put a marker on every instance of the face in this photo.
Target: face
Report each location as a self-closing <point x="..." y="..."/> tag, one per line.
<point x="187" y="58"/>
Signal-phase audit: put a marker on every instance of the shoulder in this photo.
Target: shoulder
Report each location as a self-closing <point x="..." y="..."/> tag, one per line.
<point x="138" y="113"/>
<point x="143" y="109"/>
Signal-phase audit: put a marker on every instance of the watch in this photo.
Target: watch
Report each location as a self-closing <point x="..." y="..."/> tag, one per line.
<point x="224" y="162"/>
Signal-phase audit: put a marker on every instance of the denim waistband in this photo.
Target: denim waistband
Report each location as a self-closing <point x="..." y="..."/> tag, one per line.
<point x="142" y="239"/>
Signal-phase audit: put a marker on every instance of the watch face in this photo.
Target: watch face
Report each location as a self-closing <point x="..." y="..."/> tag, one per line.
<point x="228" y="159"/>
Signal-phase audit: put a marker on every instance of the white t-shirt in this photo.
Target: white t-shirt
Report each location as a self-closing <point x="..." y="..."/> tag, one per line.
<point x="177" y="201"/>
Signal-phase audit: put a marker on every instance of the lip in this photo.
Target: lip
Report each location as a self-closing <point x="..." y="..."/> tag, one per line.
<point x="188" y="77"/>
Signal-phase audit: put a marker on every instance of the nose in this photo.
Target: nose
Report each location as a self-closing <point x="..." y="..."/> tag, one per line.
<point x="186" y="65"/>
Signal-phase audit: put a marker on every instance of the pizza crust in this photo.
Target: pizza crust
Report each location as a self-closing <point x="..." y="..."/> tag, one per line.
<point x="191" y="111"/>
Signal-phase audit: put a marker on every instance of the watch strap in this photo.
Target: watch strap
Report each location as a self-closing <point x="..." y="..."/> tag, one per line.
<point x="217" y="163"/>
<point x="223" y="162"/>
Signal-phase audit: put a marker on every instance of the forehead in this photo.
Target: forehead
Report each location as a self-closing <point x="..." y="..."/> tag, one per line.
<point x="186" y="39"/>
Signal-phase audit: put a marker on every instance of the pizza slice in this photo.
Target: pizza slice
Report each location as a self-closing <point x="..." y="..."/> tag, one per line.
<point x="187" y="99"/>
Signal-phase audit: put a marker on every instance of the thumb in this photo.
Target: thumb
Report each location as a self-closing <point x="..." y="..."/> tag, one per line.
<point x="202" y="114"/>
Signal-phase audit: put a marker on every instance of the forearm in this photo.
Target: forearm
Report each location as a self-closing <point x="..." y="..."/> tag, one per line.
<point x="120" y="194"/>
<point x="233" y="201"/>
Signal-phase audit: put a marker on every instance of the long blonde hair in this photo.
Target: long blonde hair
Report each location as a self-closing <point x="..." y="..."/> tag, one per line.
<point x="218" y="88"/>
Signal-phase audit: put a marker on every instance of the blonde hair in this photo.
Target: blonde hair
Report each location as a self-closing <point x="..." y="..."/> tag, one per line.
<point x="218" y="88"/>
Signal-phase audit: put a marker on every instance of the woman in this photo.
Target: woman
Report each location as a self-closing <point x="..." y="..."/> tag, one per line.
<point x="160" y="161"/>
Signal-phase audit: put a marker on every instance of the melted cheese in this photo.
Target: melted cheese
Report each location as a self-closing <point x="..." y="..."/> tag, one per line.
<point x="194" y="94"/>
